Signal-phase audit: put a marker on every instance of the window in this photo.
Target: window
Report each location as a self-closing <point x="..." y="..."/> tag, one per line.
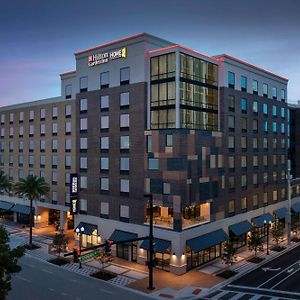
<point x="255" y="107"/>
<point x="274" y="143"/>
<point x="231" y="208"/>
<point x="244" y="161"/>
<point x="124" y="99"/>
<point x="104" y="163"/>
<point x="54" y="161"/>
<point x="83" y="83"/>
<point x="11" y="117"/>
<point x="104" y="209"/>
<point x="255" y="87"/>
<point x="282" y="128"/>
<point x="83" y="143"/>
<point x="244" y="204"/>
<point x="68" y="91"/>
<point x="255" y="161"/>
<point x="283" y="194"/>
<point x="231" y="123"/>
<point x="83" y="162"/>
<point x="2" y="119"/>
<point x="282" y="143"/>
<point x="274" y="176"/>
<point x="21" y="116"/>
<point x="244" y="105"/>
<point x="83" y="105"/>
<point x="104" y="102"/>
<point x="231" y="162"/>
<point x="31" y="115"/>
<point x="11" y="159"/>
<point x="274" y="159"/>
<point x="54" y="145"/>
<point x="68" y="110"/>
<point x="83" y="124"/>
<point x="104" y="184"/>
<point x="124" y="142"/>
<point x="68" y="145"/>
<point x="153" y="164"/>
<point x="11" y="146"/>
<point x="42" y="145"/>
<point x="43" y="113"/>
<point x="54" y="112"/>
<point x="104" y="122"/>
<point x="255" y="177"/>
<point x="265" y="143"/>
<point x="104" y="80"/>
<point x="275" y="196"/>
<point x="231" y="79"/>
<point x="265" y="90"/>
<point x="265" y="125"/>
<point x="244" y="142"/>
<point x="166" y="188"/>
<point x="68" y="127"/>
<point x="21" y="160"/>
<point x="244" y="125"/>
<point x="274" y="111"/>
<point x="274" y="92"/>
<point x="83" y="205"/>
<point x="2" y="132"/>
<point x="255" y="125"/>
<point x="124" y="185"/>
<point x="11" y="132"/>
<point x="231" y="182"/>
<point x="149" y="143"/>
<point x="125" y="75"/>
<point x="104" y="143"/>
<point x="31" y="130"/>
<point x="54" y="177"/>
<point x="244" y="83"/>
<point x="255" y="200"/>
<point x="265" y="109"/>
<point x="43" y="129"/>
<point x="124" y="211"/>
<point x="265" y="176"/>
<point x="54" y="129"/>
<point x="169" y="140"/>
<point x="274" y="127"/>
<point x="282" y="95"/>
<point x="54" y="197"/>
<point x="265" y="198"/>
<point x="265" y="160"/>
<point x="83" y="182"/>
<point x="124" y="164"/>
<point x="68" y="162"/>
<point x="231" y="142"/>
<point x="42" y="161"/>
<point x="124" y="120"/>
<point x="282" y="112"/>
<point x="244" y="180"/>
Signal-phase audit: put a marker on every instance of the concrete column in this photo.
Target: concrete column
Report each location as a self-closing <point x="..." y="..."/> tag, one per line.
<point x="177" y="213"/>
<point x="63" y="220"/>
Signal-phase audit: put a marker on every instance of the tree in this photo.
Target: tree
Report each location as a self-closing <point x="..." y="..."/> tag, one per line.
<point x="229" y="252"/>
<point x="5" y="183"/>
<point x="8" y="262"/>
<point x="103" y="258"/>
<point x="31" y="187"/>
<point x="255" y="242"/>
<point x="295" y="224"/>
<point x="277" y="232"/>
<point x="60" y="243"/>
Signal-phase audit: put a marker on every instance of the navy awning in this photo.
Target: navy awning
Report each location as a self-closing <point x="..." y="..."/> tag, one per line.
<point x="120" y="235"/>
<point x="240" y="228"/>
<point x="296" y="207"/>
<point x="207" y="240"/>
<point x="161" y="246"/>
<point x="281" y="212"/>
<point x="259" y="221"/>
<point x="22" y="209"/>
<point x="88" y="228"/>
<point x="6" y="205"/>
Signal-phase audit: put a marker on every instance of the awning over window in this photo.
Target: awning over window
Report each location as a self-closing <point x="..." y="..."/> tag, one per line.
<point x="207" y="240"/>
<point x="281" y="212"/>
<point x="296" y="207"/>
<point x="259" y="221"/>
<point x="161" y="246"/>
<point x="6" y="205"/>
<point x="22" y="209"/>
<point x="240" y="228"/>
<point x="88" y="228"/>
<point x="120" y="235"/>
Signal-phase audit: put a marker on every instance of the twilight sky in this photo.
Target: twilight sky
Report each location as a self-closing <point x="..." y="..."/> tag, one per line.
<point x="38" y="37"/>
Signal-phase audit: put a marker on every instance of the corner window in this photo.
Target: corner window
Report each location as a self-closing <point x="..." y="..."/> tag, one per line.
<point x="83" y="84"/>
<point x="231" y="79"/>
<point x="104" y="80"/>
<point x="124" y="75"/>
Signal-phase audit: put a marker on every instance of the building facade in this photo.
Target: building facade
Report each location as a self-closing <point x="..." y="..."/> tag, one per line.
<point x="206" y="136"/>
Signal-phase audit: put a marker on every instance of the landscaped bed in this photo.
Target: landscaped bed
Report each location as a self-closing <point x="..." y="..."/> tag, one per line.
<point x="104" y="275"/>
<point x="227" y="274"/>
<point x="33" y="247"/>
<point x="59" y="261"/>
<point x="255" y="260"/>
<point x="277" y="248"/>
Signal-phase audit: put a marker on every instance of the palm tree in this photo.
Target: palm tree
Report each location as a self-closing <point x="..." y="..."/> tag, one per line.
<point x="31" y="187"/>
<point x="5" y="182"/>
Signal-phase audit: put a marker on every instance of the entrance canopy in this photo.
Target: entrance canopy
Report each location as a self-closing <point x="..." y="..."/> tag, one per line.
<point x="207" y="240"/>
<point x="240" y="228"/>
<point x="22" y="209"/>
<point x="161" y="246"/>
<point x="281" y="212"/>
<point x="6" y="205"/>
<point x="120" y="235"/>
<point x="88" y="228"/>
<point x="260" y="220"/>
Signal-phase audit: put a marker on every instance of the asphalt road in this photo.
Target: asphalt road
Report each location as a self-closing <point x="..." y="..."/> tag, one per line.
<point x="42" y="281"/>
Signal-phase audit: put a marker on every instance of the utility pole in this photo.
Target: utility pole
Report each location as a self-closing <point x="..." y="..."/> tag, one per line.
<point x="288" y="217"/>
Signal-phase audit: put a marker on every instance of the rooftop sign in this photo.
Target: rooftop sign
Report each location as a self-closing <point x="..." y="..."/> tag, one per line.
<point x="102" y="58"/>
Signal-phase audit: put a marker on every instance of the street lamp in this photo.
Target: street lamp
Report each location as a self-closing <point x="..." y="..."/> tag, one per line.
<point x="288" y="217"/>
<point x="268" y="227"/>
<point x="80" y="232"/>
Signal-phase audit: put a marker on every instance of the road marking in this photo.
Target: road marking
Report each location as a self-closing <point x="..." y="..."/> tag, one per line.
<point x="284" y="279"/>
<point x="106" y="291"/>
<point x="271" y="270"/>
<point x="73" y="280"/>
<point x="63" y="294"/>
<point x="44" y="270"/>
<point x="51" y="289"/>
<point x="22" y="278"/>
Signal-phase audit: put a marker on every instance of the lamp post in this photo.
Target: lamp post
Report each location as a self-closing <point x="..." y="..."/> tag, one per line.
<point x="288" y="217"/>
<point x="268" y="228"/>
<point x="80" y="232"/>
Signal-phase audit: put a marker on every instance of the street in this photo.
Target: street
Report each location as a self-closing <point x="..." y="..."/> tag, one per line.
<point x="42" y="281"/>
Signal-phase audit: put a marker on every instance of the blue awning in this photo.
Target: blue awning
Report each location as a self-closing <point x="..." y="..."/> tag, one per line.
<point x="296" y="207"/>
<point x="161" y="246"/>
<point x="120" y="235"/>
<point x="6" y="205"/>
<point x="260" y="220"/>
<point x="281" y="212"/>
<point x="88" y="228"/>
<point x="240" y="228"/>
<point x="22" y="209"/>
<point x="207" y="240"/>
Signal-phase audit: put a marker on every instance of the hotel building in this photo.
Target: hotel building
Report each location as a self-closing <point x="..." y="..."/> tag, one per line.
<point x="207" y="136"/>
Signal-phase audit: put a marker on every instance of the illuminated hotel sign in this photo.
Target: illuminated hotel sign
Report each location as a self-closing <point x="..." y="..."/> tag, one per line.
<point x="74" y="193"/>
<point x="102" y="58"/>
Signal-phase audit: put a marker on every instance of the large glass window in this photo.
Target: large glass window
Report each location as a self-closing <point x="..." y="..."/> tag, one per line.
<point x="163" y="66"/>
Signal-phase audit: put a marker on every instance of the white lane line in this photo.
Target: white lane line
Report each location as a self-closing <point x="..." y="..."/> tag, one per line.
<point x="63" y="294"/>
<point x="47" y="271"/>
<point x="73" y="280"/>
<point x="105" y="291"/>
<point x="284" y="279"/>
<point x="51" y="289"/>
<point x="22" y="278"/>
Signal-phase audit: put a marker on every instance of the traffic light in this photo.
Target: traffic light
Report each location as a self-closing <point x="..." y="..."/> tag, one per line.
<point x="107" y="248"/>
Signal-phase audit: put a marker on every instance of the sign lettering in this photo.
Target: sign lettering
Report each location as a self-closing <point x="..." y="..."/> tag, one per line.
<point x="102" y="58"/>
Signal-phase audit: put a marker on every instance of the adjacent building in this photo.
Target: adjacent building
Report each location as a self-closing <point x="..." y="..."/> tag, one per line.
<point x="207" y="136"/>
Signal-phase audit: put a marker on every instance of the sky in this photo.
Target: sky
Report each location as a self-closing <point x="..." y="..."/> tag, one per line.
<point x="38" y="37"/>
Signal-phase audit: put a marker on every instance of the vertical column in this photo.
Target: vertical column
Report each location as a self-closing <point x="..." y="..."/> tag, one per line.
<point x="177" y="213"/>
<point x="177" y="89"/>
<point x="63" y="220"/>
